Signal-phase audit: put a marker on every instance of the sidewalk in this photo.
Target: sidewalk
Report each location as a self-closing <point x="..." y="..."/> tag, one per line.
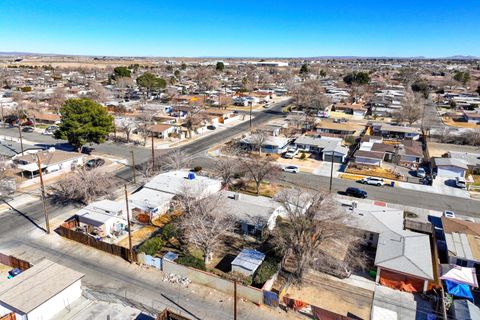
<point x="18" y="201"/>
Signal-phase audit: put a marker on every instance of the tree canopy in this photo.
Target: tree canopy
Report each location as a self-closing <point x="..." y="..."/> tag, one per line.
<point x="422" y="87"/>
<point x="304" y="69"/>
<point x="220" y="66"/>
<point x="84" y="121"/>
<point x="462" y="76"/>
<point x="151" y="82"/>
<point x="358" y="78"/>
<point x="121" y="72"/>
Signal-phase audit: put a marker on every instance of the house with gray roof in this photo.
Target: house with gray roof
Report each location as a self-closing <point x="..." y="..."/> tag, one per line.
<point x="401" y="255"/>
<point x="450" y="167"/>
<point x="252" y="213"/>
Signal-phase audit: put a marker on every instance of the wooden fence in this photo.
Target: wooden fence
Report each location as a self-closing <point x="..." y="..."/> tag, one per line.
<point x="9" y="316"/>
<point x="65" y="231"/>
<point x="14" y="262"/>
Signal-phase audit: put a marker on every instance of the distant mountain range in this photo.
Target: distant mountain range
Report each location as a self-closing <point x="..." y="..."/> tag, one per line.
<point x="456" y="57"/>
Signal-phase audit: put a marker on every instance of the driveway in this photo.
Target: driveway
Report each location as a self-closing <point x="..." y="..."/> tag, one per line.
<point x="324" y="169"/>
<point x="440" y="186"/>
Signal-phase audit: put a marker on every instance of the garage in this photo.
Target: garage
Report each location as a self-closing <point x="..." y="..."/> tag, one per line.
<point x="338" y="153"/>
<point x="450" y="168"/>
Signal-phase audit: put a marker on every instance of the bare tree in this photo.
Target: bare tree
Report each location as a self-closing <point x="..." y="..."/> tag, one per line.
<point x="81" y="186"/>
<point x="144" y="124"/>
<point x="57" y="99"/>
<point x="312" y="232"/>
<point x="225" y="168"/>
<point x="259" y="169"/>
<point x="204" y="223"/>
<point x="193" y="119"/>
<point x="177" y="159"/>
<point x="412" y="108"/>
<point x="257" y="139"/>
<point x="473" y="137"/>
<point x="126" y="126"/>
<point x="123" y="83"/>
<point x="5" y="187"/>
<point x="98" y="92"/>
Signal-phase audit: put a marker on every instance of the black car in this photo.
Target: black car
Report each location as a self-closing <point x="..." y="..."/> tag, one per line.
<point x="94" y="163"/>
<point x="355" y="192"/>
<point x="211" y="127"/>
<point x="27" y="129"/>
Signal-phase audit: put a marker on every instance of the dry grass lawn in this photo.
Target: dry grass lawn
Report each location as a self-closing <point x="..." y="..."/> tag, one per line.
<point x="374" y="172"/>
<point x="138" y="236"/>
<point x="459" y="124"/>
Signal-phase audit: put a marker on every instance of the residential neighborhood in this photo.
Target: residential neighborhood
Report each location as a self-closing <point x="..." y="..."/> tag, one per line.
<point x="239" y="161"/>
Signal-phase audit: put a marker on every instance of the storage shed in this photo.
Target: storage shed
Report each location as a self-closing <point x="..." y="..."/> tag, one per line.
<point x="248" y="261"/>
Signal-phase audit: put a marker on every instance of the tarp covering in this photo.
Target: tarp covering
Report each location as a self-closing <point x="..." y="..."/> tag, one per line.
<point x="459" y="290"/>
<point x="459" y="274"/>
<point x="400" y="282"/>
<point x="270" y="298"/>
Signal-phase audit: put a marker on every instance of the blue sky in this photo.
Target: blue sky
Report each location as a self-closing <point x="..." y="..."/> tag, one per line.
<point x="260" y="28"/>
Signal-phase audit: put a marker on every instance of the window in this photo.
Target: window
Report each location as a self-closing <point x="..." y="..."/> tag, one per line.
<point x="461" y="263"/>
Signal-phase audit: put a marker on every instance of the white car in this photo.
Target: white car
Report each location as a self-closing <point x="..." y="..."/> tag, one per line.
<point x="372" y="181"/>
<point x="449" y="214"/>
<point x="421" y="173"/>
<point x="290" y="154"/>
<point x="460" y="182"/>
<point x="292" y="169"/>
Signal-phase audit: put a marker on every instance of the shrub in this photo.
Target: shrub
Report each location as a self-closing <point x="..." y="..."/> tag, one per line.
<point x="303" y="156"/>
<point x="152" y="246"/>
<point x="191" y="261"/>
<point x="26" y="89"/>
<point x="350" y="140"/>
<point x="169" y="231"/>
<point x="266" y="270"/>
<point x="197" y="169"/>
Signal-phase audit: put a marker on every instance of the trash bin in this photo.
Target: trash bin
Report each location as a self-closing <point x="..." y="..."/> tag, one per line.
<point x="392" y="184"/>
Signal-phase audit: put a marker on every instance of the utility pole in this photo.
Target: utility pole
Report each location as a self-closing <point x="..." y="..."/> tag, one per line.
<point x="234" y="299"/>
<point x="250" y="103"/>
<point x="20" y="134"/>
<point x="44" y="200"/>
<point x="153" y="154"/>
<point x="331" y="171"/>
<point x="130" y="252"/>
<point x="133" y="167"/>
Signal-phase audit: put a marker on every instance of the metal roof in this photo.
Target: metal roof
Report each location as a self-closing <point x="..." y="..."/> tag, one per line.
<point x="249" y="259"/>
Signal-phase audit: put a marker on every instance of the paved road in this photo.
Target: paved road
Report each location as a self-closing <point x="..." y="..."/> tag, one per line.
<point x="397" y="195"/>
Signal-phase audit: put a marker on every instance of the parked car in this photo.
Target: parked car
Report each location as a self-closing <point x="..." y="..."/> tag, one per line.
<point x="27" y="123"/>
<point x="87" y="150"/>
<point x="292" y="169"/>
<point x="449" y="214"/>
<point x="421" y="173"/>
<point x="356" y="192"/>
<point x="427" y="180"/>
<point x="373" y="181"/>
<point x="94" y="163"/>
<point x="50" y="130"/>
<point x="14" y="272"/>
<point x="460" y="182"/>
<point x="290" y="154"/>
<point x="211" y="127"/>
<point x="266" y="106"/>
<point x="28" y="129"/>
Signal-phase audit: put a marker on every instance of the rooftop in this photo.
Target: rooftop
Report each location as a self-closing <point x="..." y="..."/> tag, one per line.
<point x="35" y="286"/>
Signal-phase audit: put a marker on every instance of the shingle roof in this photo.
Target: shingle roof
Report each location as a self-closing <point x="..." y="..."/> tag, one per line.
<point x="450" y="162"/>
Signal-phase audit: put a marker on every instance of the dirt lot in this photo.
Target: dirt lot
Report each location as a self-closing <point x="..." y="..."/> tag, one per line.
<point x="309" y="164"/>
<point x="4" y="272"/>
<point x="334" y="295"/>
